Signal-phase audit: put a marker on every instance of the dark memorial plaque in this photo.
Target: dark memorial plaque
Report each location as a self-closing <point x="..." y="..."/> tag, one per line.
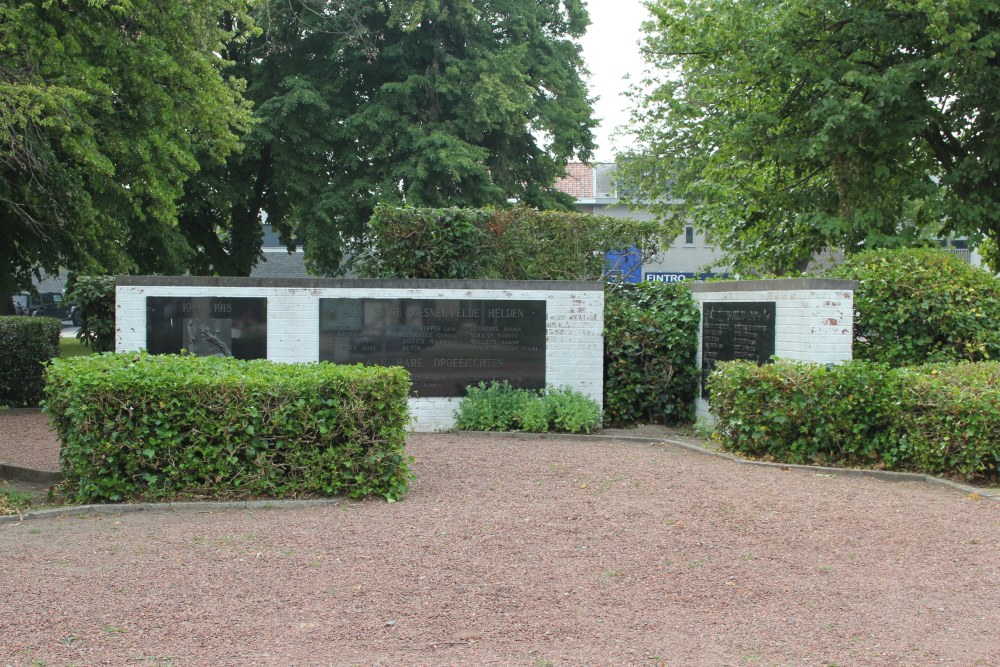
<point x="207" y="326"/>
<point x="445" y="344"/>
<point x="732" y="331"/>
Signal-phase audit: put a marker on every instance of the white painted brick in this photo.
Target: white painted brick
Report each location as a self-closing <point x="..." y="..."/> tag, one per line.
<point x="574" y="342"/>
<point x="803" y="328"/>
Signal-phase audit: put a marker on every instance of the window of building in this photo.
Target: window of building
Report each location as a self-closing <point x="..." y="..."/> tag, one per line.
<point x="689" y="235"/>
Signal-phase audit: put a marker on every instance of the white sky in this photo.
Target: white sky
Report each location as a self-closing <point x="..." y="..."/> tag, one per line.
<point x="611" y="51"/>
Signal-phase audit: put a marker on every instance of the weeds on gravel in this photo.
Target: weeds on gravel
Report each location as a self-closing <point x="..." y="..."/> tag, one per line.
<point x="13" y="502"/>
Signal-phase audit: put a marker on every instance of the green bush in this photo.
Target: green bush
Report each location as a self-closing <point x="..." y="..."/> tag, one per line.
<point x="948" y="419"/>
<point x="137" y="426"/>
<point x="650" y="344"/>
<point x="26" y="345"/>
<point x="563" y="410"/>
<point x="506" y="244"/>
<point x="492" y="407"/>
<point x="95" y="295"/>
<point x="500" y="407"/>
<point x="937" y="419"/>
<point x="921" y="305"/>
<point x="803" y="413"/>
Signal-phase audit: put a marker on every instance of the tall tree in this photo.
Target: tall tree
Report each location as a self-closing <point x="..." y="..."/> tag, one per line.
<point x="787" y="126"/>
<point x="427" y="102"/>
<point x="104" y="106"/>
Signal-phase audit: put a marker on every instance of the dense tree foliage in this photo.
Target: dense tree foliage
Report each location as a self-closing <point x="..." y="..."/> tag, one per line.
<point x="789" y="126"/>
<point x="106" y="108"/>
<point x="429" y="103"/>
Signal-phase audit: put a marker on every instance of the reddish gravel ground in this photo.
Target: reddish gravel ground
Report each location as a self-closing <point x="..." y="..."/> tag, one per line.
<point x="26" y="440"/>
<point x="518" y="551"/>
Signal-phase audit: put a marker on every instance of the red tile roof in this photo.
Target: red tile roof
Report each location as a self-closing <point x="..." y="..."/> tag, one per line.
<point x="578" y="181"/>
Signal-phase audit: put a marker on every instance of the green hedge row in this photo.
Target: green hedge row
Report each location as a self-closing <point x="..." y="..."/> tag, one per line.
<point x="650" y="343"/>
<point x="941" y="419"/>
<point x="507" y="244"/>
<point x="136" y="426"/>
<point x="26" y="345"/>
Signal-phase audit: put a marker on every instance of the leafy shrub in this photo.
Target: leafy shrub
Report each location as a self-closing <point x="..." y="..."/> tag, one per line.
<point x="508" y="244"/>
<point x="26" y="345"/>
<point x="496" y="406"/>
<point x="95" y="295"/>
<point x="500" y="407"/>
<point x="948" y="419"/>
<point x="427" y="243"/>
<point x="535" y="416"/>
<point x="562" y="410"/>
<point x="136" y="426"/>
<point x="937" y="419"/>
<point x="650" y="344"/>
<point x="803" y="413"/>
<point x="922" y="305"/>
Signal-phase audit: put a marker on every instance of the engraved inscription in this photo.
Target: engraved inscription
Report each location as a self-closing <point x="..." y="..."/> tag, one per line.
<point x="743" y="330"/>
<point x="445" y="344"/>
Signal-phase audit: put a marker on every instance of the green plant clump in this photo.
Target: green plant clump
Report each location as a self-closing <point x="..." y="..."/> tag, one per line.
<point x="650" y="344"/>
<point x="922" y="305"/>
<point x="26" y="345"/>
<point x="12" y="502"/>
<point x="500" y="407"/>
<point x="940" y="419"/>
<point x="95" y="295"/>
<point x="137" y="426"/>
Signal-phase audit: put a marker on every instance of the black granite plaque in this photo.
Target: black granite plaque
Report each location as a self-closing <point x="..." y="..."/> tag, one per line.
<point x="729" y="331"/>
<point x="207" y="326"/>
<point x="445" y="344"/>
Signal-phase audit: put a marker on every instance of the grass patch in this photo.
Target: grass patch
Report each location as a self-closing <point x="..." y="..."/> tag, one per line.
<point x="71" y="347"/>
<point x="12" y="502"/>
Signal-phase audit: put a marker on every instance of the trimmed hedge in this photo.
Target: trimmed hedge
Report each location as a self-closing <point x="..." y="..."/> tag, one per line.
<point x="937" y="419"/>
<point x="650" y="344"/>
<point x="949" y="419"/>
<point x="26" y="345"/>
<point x="921" y="305"/>
<point x="137" y="426"/>
<point x="506" y="244"/>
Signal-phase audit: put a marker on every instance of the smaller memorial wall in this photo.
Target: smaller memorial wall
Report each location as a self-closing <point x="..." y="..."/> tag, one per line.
<point x="448" y="334"/>
<point x="733" y="330"/>
<point x="804" y="319"/>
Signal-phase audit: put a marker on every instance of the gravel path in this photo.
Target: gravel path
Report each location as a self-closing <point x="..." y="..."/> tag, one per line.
<point x="512" y="551"/>
<point x="27" y="440"/>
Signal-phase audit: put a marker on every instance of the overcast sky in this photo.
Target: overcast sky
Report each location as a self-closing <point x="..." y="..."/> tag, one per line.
<point x="611" y="50"/>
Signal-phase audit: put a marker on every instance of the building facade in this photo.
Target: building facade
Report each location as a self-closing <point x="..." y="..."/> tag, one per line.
<point x="688" y="257"/>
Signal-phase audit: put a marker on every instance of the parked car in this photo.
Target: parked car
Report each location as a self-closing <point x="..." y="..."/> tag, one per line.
<point x="47" y="304"/>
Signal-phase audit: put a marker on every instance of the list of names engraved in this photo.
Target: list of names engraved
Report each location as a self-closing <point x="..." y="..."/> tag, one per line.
<point x="735" y="330"/>
<point x="445" y="344"/>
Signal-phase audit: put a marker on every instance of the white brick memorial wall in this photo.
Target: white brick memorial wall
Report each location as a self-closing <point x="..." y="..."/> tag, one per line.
<point x="574" y="320"/>
<point x="813" y="318"/>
